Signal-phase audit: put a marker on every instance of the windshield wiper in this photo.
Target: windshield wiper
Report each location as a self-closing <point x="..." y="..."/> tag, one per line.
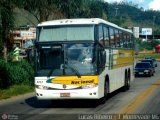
<point x="64" y="66"/>
<point x="73" y="69"/>
<point x="50" y="73"/>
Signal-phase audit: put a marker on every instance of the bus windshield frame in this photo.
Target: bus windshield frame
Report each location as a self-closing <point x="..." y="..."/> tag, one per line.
<point x="66" y="59"/>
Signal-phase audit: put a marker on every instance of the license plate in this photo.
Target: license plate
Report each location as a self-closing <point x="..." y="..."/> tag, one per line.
<point x="141" y="73"/>
<point x="64" y="94"/>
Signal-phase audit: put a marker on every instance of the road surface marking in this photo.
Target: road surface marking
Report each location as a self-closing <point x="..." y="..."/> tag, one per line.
<point x="128" y="109"/>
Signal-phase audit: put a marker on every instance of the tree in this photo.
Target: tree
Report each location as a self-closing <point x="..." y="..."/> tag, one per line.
<point x="6" y="23"/>
<point x="41" y="9"/>
<point x="70" y="8"/>
<point x="154" y="43"/>
<point x="96" y="8"/>
<point x="38" y="8"/>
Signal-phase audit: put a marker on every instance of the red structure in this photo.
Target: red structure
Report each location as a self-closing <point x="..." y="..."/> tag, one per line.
<point x="158" y="48"/>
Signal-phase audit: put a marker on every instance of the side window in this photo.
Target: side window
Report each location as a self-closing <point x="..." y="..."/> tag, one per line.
<point x="111" y="33"/>
<point x="128" y="41"/>
<point x="106" y="36"/>
<point x="132" y="41"/>
<point x="120" y="39"/>
<point x="117" y="39"/>
<point x="100" y="35"/>
<point x="124" y="40"/>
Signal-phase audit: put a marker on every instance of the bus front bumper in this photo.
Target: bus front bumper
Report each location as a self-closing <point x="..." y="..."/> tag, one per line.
<point x="68" y="94"/>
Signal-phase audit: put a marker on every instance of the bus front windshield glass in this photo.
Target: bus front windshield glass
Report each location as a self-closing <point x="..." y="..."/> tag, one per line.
<point x="66" y="33"/>
<point x="68" y="59"/>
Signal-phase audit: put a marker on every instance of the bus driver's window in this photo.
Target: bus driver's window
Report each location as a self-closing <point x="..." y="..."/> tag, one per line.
<point x="100" y="35"/>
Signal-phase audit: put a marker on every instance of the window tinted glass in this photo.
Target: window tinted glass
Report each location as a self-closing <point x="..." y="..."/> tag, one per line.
<point x="112" y="42"/>
<point x="100" y="34"/>
<point x="66" y="33"/>
<point x="143" y="65"/>
<point x="106" y="36"/>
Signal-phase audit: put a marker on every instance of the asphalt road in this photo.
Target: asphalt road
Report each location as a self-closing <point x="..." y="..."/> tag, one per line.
<point x="141" y="101"/>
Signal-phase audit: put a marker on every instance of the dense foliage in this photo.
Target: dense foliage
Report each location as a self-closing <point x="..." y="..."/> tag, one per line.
<point x="6" y="24"/>
<point x="148" y="45"/>
<point x="12" y="73"/>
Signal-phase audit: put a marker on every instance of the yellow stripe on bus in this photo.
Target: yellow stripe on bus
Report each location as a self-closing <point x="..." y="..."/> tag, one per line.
<point x="123" y="58"/>
<point x="74" y="80"/>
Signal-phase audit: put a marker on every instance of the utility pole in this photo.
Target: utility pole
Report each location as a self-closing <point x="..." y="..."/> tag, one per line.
<point x="154" y="18"/>
<point x="116" y="11"/>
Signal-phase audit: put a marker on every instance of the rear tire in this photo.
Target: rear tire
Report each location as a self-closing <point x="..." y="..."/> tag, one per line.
<point x="126" y="82"/>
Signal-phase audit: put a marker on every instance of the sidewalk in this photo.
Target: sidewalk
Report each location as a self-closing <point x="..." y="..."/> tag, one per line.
<point x="17" y="98"/>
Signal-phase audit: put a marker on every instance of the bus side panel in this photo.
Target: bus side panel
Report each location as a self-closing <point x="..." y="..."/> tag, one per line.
<point x="117" y="63"/>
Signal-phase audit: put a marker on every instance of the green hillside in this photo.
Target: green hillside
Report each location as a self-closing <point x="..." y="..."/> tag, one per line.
<point x="125" y="14"/>
<point x="23" y="17"/>
<point x="130" y="15"/>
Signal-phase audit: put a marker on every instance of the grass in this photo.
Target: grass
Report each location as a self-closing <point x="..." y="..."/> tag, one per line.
<point x="143" y="55"/>
<point x="15" y="90"/>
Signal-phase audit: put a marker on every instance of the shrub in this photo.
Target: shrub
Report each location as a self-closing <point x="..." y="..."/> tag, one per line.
<point x="15" y="73"/>
<point x="4" y="78"/>
<point x="21" y="73"/>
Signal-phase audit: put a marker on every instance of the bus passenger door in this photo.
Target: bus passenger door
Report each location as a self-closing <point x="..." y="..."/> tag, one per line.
<point x="101" y="59"/>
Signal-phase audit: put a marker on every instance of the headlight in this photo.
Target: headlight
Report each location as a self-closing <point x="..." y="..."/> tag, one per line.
<point x="42" y="87"/>
<point x="146" y="70"/>
<point x="89" y="86"/>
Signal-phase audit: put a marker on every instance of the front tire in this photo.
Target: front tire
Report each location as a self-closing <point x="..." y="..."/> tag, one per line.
<point x="106" y="93"/>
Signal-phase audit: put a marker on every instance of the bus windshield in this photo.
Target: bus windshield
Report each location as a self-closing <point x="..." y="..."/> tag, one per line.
<point x="66" y="33"/>
<point x="77" y="59"/>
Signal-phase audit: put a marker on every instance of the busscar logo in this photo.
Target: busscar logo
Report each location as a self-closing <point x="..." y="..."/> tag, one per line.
<point x="64" y="86"/>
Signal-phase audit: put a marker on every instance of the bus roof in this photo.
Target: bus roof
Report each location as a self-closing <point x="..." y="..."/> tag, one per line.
<point x="80" y="21"/>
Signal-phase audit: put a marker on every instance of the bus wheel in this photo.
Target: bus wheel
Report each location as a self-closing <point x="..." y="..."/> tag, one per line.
<point x="106" y="92"/>
<point x="127" y="82"/>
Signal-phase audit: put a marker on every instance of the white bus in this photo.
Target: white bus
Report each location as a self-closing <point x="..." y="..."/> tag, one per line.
<point x="82" y="59"/>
